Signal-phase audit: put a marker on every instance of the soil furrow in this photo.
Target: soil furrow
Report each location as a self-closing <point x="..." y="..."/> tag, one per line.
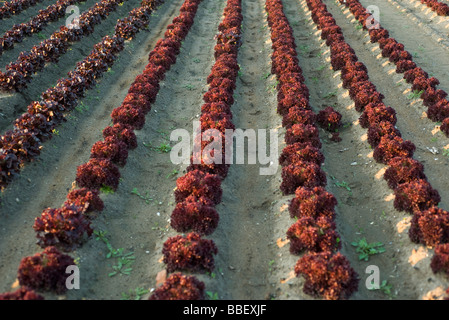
<point x="246" y="223"/>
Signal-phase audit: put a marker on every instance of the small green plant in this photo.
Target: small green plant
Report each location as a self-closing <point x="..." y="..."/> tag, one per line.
<point x="135" y="294"/>
<point x="315" y="80"/>
<point x="163" y="148"/>
<point x="446" y="152"/>
<point x="157" y="227"/>
<point x="197" y="60"/>
<point x="331" y="94"/>
<point x="101" y="235"/>
<point x="337" y="242"/>
<point x="123" y="265"/>
<point x="304" y="49"/>
<point x="212" y="295"/>
<point x="55" y="132"/>
<point x="359" y="26"/>
<point x="147" y="198"/>
<point x="124" y="260"/>
<point x="415" y="94"/>
<point x="173" y="173"/>
<point x="106" y="189"/>
<point x="266" y="75"/>
<point x="81" y="108"/>
<point x="320" y="68"/>
<point x="343" y="184"/>
<point x="385" y="288"/>
<point x="40" y="35"/>
<point x="189" y="86"/>
<point x="270" y="265"/>
<point x="366" y="249"/>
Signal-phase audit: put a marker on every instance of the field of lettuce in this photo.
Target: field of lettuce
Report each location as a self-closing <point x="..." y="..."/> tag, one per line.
<point x="93" y="207"/>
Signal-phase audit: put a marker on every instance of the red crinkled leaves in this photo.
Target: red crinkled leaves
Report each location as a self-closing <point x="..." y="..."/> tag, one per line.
<point x="415" y="196"/>
<point x="87" y="199"/>
<point x="405" y="65"/>
<point x="297" y="115"/>
<point x="198" y="184"/>
<point x="376" y="132"/>
<point x="112" y="149"/>
<point x="97" y="173"/>
<point x="398" y="55"/>
<point x="24" y="144"/>
<point x="377" y="34"/>
<point x="190" y="253"/>
<point x="430" y="227"/>
<point x="9" y="167"/>
<point x="290" y="101"/>
<point x="225" y="83"/>
<point x="376" y="113"/>
<point x="445" y="126"/>
<point x="438" y="111"/>
<point x="312" y="202"/>
<point x="402" y="170"/>
<point x="45" y="271"/>
<point x="179" y="287"/>
<point x="296" y="152"/>
<point x="199" y="216"/>
<point x="128" y="114"/>
<point x="37" y="124"/>
<point x="329" y="119"/>
<point x="314" y="235"/>
<point x="432" y="96"/>
<point x="139" y="100"/>
<point x="218" y="95"/>
<point x="22" y="293"/>
<point x="422" y="83"/>
<point x="303" y="133"/>
<point x="390" y="147"/>
<point x="412" y="74"/>
<point x="349" y="78"/>
<point x="327" y="275"/>
<point x="65" y="228"/>
<point x="122" y="132"/>
<point x="440" y="259"/>
<point x="301" y="174"/>
<point x="216" y="107"/>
